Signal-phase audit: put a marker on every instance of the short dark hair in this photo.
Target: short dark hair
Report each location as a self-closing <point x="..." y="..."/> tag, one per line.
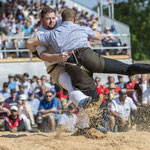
<point x="68" y="14"/>
<point x="46" y="10"/>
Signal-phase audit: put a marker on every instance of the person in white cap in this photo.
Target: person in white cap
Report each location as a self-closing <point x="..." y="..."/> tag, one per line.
<point x="14" y="123"/>
<point x="4" y="111"/>
<point x="120" y="109"/>
<point x="25" y="112"/>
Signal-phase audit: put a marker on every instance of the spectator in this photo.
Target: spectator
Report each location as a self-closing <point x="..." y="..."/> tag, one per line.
<point x="100" y="90"/>
<point x="22" y="91"/>
<point x="17" y="79"/>
<point x="26" y="83"/>
<point x="113" y="29"/>
<point x="27" y="28"/>
<point x="48" y="107"/>
<point x="111" y="93"/>
<point x="58" y="100"/>
<point x="25" y="112"/>
<point x="11" y="82"/>
<point x="108" y="38"/>
<point x="120" y="109"/>
<point x="45" y="83"/>
<point x="14" y="123"/>
<point x="4" y="111"/>
<point x="130" y="85"/>
<point x="68" y="120"/>
<point x="110" y="79"/>
<point x="34" y="83"/>
<point x="34" y="103"/>
<point x="12" y="100"/>
<point x="120" y="82"/>
<point x="40" y="95"/>
<point x="5" y="92"/>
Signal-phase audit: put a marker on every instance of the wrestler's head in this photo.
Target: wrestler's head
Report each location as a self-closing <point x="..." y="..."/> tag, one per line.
<point x="68" y="14"/>
<point x="48" y="18"/>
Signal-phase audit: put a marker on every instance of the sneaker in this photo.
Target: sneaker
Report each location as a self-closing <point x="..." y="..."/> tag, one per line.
<point x="84" y="103"/>
<point x="102" y="129"/>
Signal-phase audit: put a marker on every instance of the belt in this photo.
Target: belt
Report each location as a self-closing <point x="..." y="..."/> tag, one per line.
<point x="54" y="66"/>
<point x="72" y="60"/>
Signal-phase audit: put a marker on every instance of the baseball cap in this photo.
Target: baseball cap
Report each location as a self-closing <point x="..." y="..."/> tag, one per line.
<point x="13" y="91"/>
<point x="26" y="74"/>
<point x="123" y="91"/>
<point x="1" y="98"/>
<point x="10" y="75"/>
<point x="14" y="108"/>
<point x="5" y="84"/>
<point x="30" y="92"/>
<point x="22" y="97"/>
<point x="53" y="90"/>
<point x="113" y="27"/>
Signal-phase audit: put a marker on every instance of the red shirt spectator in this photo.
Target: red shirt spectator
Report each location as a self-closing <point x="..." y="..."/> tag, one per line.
<point x="100" y="88"/>
<point x="130" y="85"/>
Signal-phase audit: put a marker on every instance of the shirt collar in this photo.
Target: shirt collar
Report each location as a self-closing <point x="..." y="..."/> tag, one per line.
<point x="67" y="22"/>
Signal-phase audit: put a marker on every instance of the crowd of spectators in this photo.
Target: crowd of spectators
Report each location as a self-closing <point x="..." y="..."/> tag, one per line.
<point x="29" y="103"/>
<point x="20" y="19"/>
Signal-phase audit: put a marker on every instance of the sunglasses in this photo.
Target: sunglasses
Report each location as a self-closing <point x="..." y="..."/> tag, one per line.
<point x="97" y="81"/>
<point x="48" y="95"/>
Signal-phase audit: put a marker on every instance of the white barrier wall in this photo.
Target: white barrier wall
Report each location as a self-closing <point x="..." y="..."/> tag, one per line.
<point x="33" y="68"/>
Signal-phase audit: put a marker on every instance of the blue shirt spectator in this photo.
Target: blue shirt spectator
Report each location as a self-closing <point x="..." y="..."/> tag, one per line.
<point x="44" y="104"/>
<point x="5" y="92"/>
<point x="34" y="102"/>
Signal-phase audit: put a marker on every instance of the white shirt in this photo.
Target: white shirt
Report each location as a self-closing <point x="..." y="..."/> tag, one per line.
<point x="123" y="109"/>
<point x="146" y="97"/>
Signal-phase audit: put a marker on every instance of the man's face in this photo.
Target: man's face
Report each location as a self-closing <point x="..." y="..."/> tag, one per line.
<point x="49" y="97"/>
<point x="123" y="97"/>
<point x="49" y="21"/>
<point x="14" y="113"/>
<point x="13" y="94"/>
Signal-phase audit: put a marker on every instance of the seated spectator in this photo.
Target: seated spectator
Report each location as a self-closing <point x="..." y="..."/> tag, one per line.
<point x="22" y="91"/>
<point x="48" y="107"/>
<point x="17" y="79"/>
<point x="45" y="83"/>
<point x="111" y="93"/>
<point x="58" y="100"/>
<point x="4" y="111"/>
<point x="13" y="100"/>
<point x="26" y="83"/>
<point x="120" y="109"/>
<point x="100" y="90"/>
<point x="146" y="98"/>
<point x="5" y="92"/>
<point x="113" y="29"/>
<point x="108" y="38"/>
<point x="68" y="120"/>
<point x="27" y="28"/>
<point x="130" y="85"/>
<point x="110" y="79"/>
<point x="34" y="103"/>
<point x="14" y="123"/>
<point x="41" y="94"/>
<point x="121" y="82"/>
<point x="11" y="82"/>
<point x="34" y="83"/>
<point x="25" y="112"/>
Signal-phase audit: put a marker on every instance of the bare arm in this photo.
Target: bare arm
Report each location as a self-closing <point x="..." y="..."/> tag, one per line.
<point x="97" y="36"/>
<point x="45" y="56"/>
<point x="52" y="110"/>
<point x="32" y="43"/>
